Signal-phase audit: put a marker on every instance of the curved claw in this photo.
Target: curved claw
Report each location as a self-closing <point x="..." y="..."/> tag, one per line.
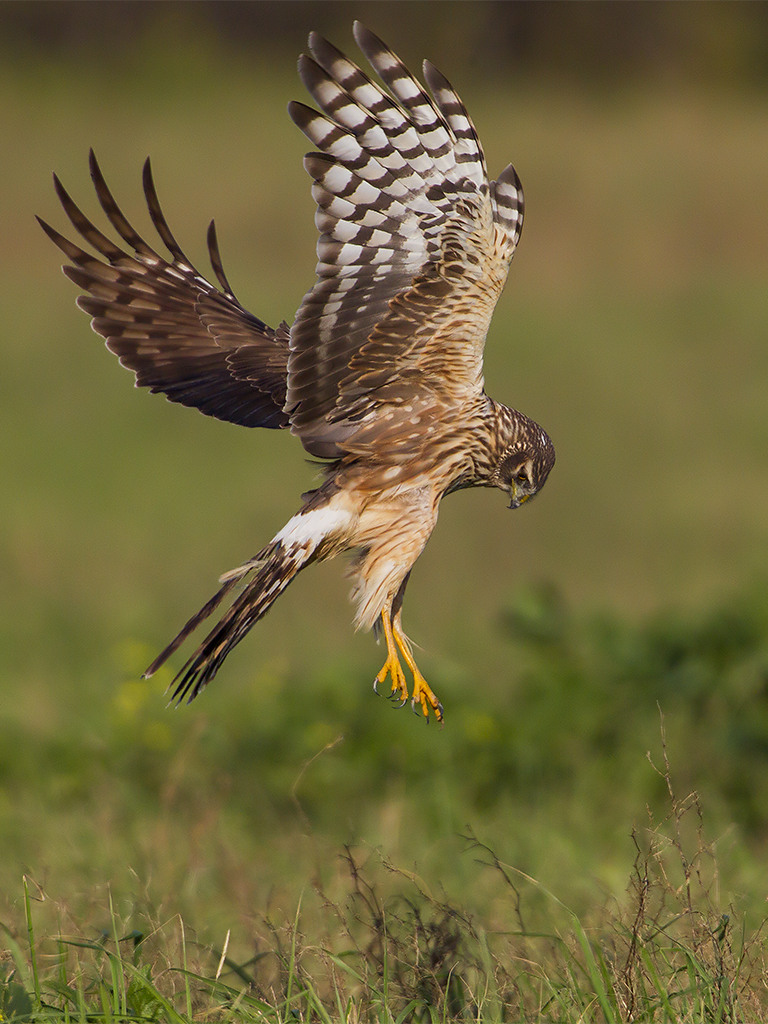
<point x="421" y="704"/>
<point x="423" y="700"/>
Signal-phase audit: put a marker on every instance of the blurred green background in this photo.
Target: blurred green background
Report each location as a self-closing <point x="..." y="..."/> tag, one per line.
<point x="633" y="327"/>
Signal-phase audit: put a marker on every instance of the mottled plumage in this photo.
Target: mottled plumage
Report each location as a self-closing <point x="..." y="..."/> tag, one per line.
<point x="381" y="372"/>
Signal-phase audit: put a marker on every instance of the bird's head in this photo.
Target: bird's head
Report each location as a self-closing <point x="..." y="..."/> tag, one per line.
<point x="525" y="459"/>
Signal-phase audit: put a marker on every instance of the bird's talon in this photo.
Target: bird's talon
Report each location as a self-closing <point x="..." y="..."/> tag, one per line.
<point x="423" y="699"/>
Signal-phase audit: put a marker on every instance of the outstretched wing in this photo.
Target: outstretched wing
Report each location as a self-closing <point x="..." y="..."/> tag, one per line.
<point x="414" y="248"/>
<point x="179" y="334"/>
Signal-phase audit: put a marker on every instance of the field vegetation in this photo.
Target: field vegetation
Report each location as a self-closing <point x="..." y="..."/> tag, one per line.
<point x="585" y="839"/>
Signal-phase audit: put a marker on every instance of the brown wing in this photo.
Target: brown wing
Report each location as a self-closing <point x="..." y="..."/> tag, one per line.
<point x="413" y="251"/>
<point x="179" y="334"/>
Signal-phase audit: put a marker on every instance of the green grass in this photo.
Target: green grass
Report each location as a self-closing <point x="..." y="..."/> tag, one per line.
<point x="529" y="860"/>
<point x="392" y="951"/>
<point x="563" y="877"/>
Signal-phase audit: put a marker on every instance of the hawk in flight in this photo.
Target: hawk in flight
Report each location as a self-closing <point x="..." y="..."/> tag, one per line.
<point x="381" y="373"/>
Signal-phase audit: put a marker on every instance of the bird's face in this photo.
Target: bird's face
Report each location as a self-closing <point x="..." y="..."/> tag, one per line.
<point x="525" y="465"/>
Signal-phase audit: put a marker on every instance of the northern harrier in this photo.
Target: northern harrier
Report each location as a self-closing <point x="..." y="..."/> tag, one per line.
<point x="380" y="374"/>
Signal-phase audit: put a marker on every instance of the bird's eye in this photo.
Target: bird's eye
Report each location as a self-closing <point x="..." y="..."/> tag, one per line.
<point x="521" y="479"/>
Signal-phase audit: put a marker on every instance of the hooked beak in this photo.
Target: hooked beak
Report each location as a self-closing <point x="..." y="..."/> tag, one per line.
<point x="515" y="502"/>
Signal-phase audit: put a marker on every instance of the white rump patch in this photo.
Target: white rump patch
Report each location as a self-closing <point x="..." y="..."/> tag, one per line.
<point x="308" y="529"/>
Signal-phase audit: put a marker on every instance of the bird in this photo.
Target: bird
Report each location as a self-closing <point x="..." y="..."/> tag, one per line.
<point x="380" y="374"/>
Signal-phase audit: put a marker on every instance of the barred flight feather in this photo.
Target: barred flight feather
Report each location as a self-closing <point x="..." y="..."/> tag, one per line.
<point x="508" y="205"/>
<point x="386" y="130"/>
<point x="179" y="334"/>
<point x="401" y="189"/>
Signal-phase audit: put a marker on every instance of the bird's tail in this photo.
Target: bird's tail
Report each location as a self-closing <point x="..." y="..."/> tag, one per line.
<point x="270" y="572"/>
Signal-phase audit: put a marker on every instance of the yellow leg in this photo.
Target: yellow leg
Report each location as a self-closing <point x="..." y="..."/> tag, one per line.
<point x="423" y="697"/>
<point x="391" y="666"/>
<point x="422" y="691"/>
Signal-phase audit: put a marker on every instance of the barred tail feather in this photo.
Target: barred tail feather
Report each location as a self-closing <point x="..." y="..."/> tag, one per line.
<point x="308" y="535"/>
<point x="208" y="608"/>
<point x="274" y="569"/>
